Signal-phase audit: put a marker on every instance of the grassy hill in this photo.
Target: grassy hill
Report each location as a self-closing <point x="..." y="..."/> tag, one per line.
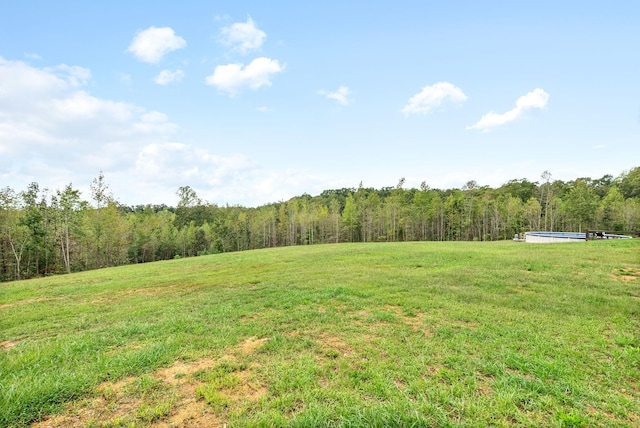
<point x="403" y="334"/>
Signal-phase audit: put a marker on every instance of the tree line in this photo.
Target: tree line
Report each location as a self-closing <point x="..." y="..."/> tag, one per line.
<point x="44" y="233"/>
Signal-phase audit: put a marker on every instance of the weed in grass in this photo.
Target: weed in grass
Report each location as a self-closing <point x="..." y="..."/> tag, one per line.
<point x="145" y="386"/>
<point x="571" y="420"/>
<point x="332" y="353"/>
<point x="213" y="397"/>
<point x="155" y="412"/>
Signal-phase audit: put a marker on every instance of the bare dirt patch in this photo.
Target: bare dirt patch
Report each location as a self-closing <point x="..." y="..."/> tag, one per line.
<point x="400" y="384"/>
<point x="626" y="274"/>
<point x="114" y="403"/>
<point x="251" y="344"/>
<point x="171" y="401"/>
<point x="484" y="389"/>
<point x="249" y="318"/>
<point x="8" y="344"/>
<point x="484" y="384"/>
<point x="334" y="343"/>
<point x="109" y="404"/>
<point x="179" y="372"/>
<point x="415" y="322"/>
<point x="247" y="388"/>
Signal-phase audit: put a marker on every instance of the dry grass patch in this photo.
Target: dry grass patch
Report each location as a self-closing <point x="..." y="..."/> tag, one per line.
<point x="28" y="301"/>
<point x="178" y="373"/>
<point x="165" y="398"/>
<point x="239" y="386"/>
<point x="626" y="274"/>
<point x="400" y="384"/>
<point x="415" y="322"/>
<point x="128" y="347"/>
<point x="109" y="404"/>
<point x="483" y="383"/>
<point x="8" y="344"/>
<point x="249" y="318"/>
<point x="186" y="394"/>
<point x="334" y="346"/>
<point x="249" y="345"/>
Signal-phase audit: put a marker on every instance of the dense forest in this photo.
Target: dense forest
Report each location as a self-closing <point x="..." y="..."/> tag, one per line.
<point x="44" y="232"/>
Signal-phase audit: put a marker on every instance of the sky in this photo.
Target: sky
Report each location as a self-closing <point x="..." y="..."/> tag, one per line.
<point x="254" y="102"/>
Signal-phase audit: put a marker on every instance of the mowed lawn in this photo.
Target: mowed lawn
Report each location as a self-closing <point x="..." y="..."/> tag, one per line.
<point x="402" y="334"/>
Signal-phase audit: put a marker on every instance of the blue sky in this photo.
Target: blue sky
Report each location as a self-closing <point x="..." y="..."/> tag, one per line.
<point x="251" y="102"/>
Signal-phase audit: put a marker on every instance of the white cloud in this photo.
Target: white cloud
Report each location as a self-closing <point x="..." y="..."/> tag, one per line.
<point x="167" y="76"/>
<point x="172" y="161"/>
<point x="432" y="97"/>
<point x="243" y="36"/>
<point x="341" y="95"/>
<point x="536" y="99"/>
<point x="33" y="56"/>
<point x="231" y="78"/>
<point x="152" y="44"/>
<point x="20" y="84"/>
<point x="53" y="132"/>
<point x="74" y="75"/>
<point x="263" y="109"/>
<point x="46" y="117"/>
<point x="162" y="167"/>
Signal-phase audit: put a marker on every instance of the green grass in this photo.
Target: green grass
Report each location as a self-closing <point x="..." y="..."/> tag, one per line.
<point x="406" y="334"/>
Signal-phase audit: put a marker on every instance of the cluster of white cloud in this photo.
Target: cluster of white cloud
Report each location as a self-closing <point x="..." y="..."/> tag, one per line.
<point x="215" y="178"/>
<point x="341" y="95"/>
<point x="230" y="78"/>
<point x="50" y="126"/>
<point x="434" y="96"/>
<point x="536" y="99"/>
<point x="167" y="76"/>
<point x="151" y="46"/>
<point x="243" y="36"/>
<point x="45" y="113"/>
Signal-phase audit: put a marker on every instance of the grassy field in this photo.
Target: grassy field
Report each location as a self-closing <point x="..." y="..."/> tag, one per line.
<point x="407" y="334"/>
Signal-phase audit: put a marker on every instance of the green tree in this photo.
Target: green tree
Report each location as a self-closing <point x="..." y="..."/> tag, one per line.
<point x="350" y="217"/>
<point x="629" y="183"/>
<point x="632" y="214"/>
<point x="611" y="210"/>
<point x="97" y="220"/>
<point x="532" y="211"/>
<point x="422" y="202"/>
<point x="581" y="203"/>
<point x="336" y="218"/>
<point x="521" y="188"/>
<point x="33" y="210"/>
<point x="12" y="227"/>
<point x="67" y="206"/>
<point x="454" y="209"/>
<point x="395" y="205"/>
